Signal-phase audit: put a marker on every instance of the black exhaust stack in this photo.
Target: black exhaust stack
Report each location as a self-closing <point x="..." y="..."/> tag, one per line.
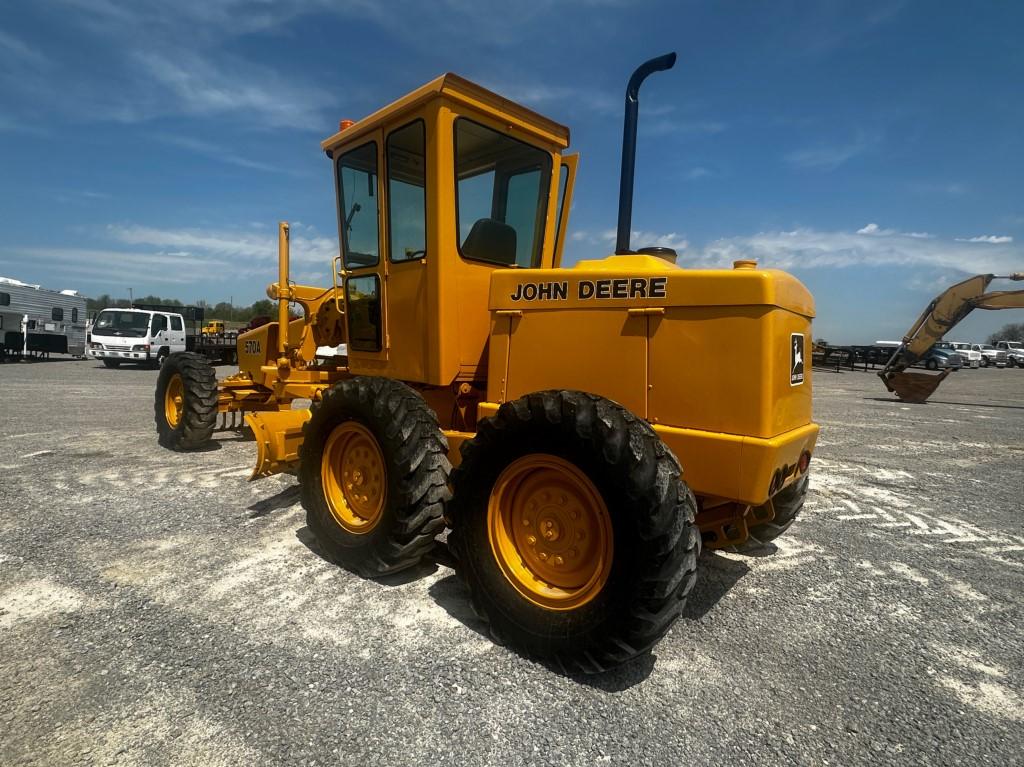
<point x="659" y="64"/>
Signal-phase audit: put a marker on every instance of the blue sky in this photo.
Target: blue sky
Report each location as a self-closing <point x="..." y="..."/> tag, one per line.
<point x="874" y="149"/>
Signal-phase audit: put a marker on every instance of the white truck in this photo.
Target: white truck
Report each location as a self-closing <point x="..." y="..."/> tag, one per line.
<point x="137" y="336"/>
<point x="990" y="355"/>
<point x="147" y="333"/>
<point x="971" y="358"/>
<point x="1014" y="352"/>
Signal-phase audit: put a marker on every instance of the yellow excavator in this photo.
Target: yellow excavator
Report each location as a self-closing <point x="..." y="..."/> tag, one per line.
<point x="941" y="316"/>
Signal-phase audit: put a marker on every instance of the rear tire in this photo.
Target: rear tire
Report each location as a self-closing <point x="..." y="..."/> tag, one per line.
<point x="931" y="365"/>
<point x="374" y="498"/>
<point x="788" y="503"/>
<point x="111" y="363"/>
<point x="654" y="543"/>
<point x="195" y="383"/>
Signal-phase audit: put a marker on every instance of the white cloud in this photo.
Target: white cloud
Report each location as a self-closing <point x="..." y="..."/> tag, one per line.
<point x="229" y="243"/>
<point x="810" y="248"/>
<point x="699" y="172"/>
<point x="638" y="239"/>
<point x="217" y="152"/>
<point x="992" y="239"/>
<point x="830" y="157"/>
<point x="14" y="49"/>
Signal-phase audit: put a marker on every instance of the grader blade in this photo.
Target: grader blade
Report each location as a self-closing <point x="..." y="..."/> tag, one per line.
<point x="278" y="437"/>
<point x="914" y="388"/>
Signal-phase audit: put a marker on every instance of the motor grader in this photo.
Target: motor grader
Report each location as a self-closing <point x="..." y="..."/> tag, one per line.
<point x="570" y="401"/>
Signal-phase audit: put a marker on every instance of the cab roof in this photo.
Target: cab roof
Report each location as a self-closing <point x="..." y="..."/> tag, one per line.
<point x="467" y="94"/>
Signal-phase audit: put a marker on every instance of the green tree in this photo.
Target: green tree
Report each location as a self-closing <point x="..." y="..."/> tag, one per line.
<point x="1012" y="332"/>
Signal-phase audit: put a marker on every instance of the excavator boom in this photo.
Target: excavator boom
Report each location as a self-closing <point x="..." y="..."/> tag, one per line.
<point x="941" y="316"/>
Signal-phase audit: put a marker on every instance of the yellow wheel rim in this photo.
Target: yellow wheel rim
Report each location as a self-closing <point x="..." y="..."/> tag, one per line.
<point x="550" y="532"/>
<point x="354" y="477"/>
<point x="174" y="400"/>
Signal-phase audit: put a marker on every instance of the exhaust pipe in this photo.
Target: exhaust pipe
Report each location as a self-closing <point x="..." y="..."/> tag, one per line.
<point x="658" y="64"/>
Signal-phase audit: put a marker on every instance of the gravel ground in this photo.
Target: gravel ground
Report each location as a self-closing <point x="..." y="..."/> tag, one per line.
<point x="159" y="609"/>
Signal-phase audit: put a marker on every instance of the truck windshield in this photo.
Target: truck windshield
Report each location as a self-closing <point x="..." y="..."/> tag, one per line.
<point x="115" y="323"/>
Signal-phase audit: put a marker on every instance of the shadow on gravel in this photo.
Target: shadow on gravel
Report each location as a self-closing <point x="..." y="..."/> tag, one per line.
<point x="307" y="539"/>
<point x="715" y="577"/>
<point x="287" y="497"/>
<point x="944" y="402"/>
<point x="452" y="596"/>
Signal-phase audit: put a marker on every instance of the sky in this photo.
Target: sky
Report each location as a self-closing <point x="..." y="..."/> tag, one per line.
<point x="873" y="149"/>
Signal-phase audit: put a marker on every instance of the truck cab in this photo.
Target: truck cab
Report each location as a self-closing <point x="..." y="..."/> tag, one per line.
<point x="135" y="336"/>
<point x="1014" y="352"/>
<point x="990" y="355"/>
<point x="214" y="327"/>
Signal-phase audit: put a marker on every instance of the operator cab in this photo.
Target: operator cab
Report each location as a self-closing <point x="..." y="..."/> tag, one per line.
<point x="434" y="193"/>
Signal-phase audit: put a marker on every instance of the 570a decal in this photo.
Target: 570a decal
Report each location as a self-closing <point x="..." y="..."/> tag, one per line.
<point x="621" y="287"/>
<point x="253" y="347"/>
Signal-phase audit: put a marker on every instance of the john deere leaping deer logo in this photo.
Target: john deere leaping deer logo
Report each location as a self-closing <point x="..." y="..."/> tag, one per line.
<point x="796" y="359"/>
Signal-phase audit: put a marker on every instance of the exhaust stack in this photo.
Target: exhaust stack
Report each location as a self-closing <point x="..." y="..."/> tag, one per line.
<point x="658" y="64"/>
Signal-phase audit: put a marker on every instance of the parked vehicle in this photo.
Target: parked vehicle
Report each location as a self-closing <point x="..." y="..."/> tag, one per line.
<point x="146" y="335"/>
<point x="213" y="327"/>
<point x="135" y="335"/>
<point x="970" y="358"/>
<point x="1014" y="352"/>
<point x="938" y="358"/>
<point x="990" y="355"/>
<point x="38" y="321"/>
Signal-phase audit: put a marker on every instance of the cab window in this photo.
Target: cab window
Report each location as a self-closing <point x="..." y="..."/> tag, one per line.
<point x="363" y="309"/>
<point x="357" y="198"/>
<point x="407" y="200"/>
<point x="159" y="323"/>
<point x="57" y="314"/>
<point x="502" y="189"/>
<point x="176" y="323"/>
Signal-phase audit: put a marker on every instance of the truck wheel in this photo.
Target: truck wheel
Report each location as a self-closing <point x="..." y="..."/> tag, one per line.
<point x="573" y="530"/>
<point x="111" y="363"/>
<point x="984" y="362"/>
<point x="186" y="401"/>
<point x="787" y="503"/>
<point x="374" y="475"/>
<point x="931" y="365"/>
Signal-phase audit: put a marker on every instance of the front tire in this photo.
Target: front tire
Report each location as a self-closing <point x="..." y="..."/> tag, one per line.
<point x="186" y="401"/>
<point x="931" y="365"/>
<point x="111" y="363"/>
<point x="573" y="476"/>
<point x="374" y="475"/>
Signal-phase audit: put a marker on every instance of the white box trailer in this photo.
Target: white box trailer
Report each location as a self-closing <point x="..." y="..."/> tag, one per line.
<point x="36" y="320"/>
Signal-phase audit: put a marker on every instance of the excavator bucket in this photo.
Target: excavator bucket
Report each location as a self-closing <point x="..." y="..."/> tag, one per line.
<point x="915" y="388"/>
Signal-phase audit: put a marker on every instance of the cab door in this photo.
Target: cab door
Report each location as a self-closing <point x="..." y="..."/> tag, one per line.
<point x="566" y="182"/>
<point x="359" y="224"/>
<point x="405" y="286"/>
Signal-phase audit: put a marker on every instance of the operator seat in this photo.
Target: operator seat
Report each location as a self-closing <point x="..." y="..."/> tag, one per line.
<point x="491" y="240"/>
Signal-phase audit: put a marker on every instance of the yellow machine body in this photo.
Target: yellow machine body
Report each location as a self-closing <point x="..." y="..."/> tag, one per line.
<point x="706" y="356"/>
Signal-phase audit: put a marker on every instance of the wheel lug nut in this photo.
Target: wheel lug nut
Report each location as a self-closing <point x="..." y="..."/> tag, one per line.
<point x="559" y="561"/>
<point x="542" y="556"/>
<point x="574" y="514"/>
<point x="532" y="540"/>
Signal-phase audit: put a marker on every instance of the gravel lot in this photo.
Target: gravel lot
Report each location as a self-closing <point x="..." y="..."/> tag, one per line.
<point x="159" y="609"/>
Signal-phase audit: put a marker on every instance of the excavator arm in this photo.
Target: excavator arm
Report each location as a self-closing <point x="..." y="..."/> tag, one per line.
<point x="941" y="316"/>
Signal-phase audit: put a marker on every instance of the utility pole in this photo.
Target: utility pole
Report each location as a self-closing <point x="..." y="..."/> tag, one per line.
<point x="231" y="308"/>
<point x="131" y="298"/>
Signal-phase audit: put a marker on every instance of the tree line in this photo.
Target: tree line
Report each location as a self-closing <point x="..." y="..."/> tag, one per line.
<point x="1012" y="332"/>
<point x="219" y="311"/>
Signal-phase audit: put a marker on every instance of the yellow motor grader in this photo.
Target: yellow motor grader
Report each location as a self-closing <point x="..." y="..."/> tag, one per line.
<point x="568" y="400"/>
